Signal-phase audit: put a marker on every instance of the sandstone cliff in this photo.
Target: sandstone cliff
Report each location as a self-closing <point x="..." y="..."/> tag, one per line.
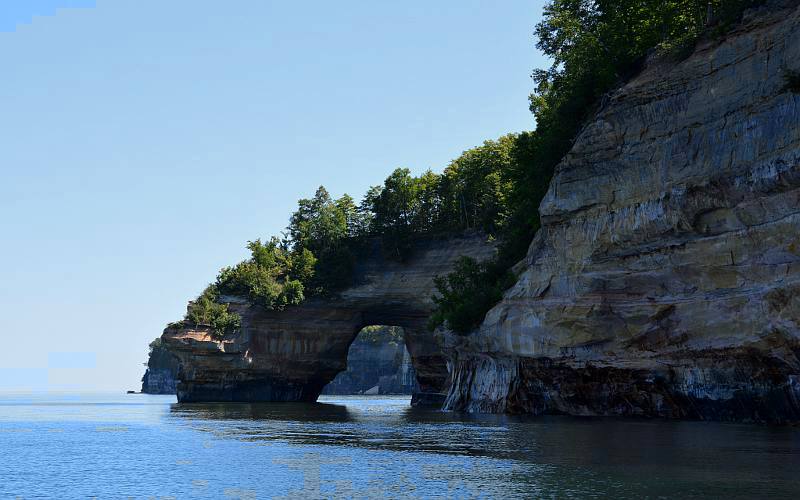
<point x="291" y="355"/>
<point x="161" y="376"/>
<point x="665" y="280"/>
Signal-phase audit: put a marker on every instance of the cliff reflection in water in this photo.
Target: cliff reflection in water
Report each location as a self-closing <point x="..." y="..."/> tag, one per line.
<point x="384" y="423"/>
<point x="646" y="456"/>
<point x="360" y="447"/>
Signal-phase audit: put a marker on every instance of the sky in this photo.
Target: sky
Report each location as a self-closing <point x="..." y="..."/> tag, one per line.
<point x="144" y="142"/>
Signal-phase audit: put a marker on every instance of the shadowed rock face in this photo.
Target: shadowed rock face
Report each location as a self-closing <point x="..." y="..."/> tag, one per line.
<point x="291" y="355"/>
<point x="666" y="278"/>
<point x="162" y="372"/>
<point x="377" y="363"/>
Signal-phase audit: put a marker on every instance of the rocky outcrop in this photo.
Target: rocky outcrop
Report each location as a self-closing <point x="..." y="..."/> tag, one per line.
<point x="665" y="280"/>
<point x="291" y="355"/>
<point x="161" y="376"/>
<point x="377" y="362"/>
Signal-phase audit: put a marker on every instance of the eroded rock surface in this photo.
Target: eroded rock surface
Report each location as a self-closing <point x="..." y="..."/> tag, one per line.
<point x="291" y="355"/>
<point x="161" y="376"/>
<point x="666" y="278"/>
<point x="377" y="363"/>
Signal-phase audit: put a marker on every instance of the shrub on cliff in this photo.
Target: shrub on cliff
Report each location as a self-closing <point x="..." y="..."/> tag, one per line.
<point x="468" y="292"/>
<point x="206" y="311"/>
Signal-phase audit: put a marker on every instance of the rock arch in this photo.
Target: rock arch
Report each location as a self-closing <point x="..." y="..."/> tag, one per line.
<point x="291" y="355"/>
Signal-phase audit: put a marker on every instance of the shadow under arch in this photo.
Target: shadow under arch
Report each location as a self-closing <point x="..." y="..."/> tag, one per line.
<point x="288" y="411"/>
<point x="378" y="362"/>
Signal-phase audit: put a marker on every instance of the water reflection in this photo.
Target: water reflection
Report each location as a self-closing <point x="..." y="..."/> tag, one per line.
<point x="144" y="446"/>
<point x="379" y="424"/>
<point x="696" y="457"/>
<point x="297" y="412"/>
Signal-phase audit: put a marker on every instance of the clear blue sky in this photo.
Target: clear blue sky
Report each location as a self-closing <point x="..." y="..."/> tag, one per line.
<point x="144" y="142"/>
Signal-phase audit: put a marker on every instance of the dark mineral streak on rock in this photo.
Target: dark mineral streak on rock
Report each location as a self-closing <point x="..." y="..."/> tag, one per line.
<point x="665" y="281"/>
<point x="291" y="355"/>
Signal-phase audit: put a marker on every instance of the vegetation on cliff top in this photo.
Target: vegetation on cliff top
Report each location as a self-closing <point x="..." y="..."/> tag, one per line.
<point x="495" y="188"/>
<point x="325" y="236"/>
<point x="206" y="311"/>
<point x="594" y="46"/>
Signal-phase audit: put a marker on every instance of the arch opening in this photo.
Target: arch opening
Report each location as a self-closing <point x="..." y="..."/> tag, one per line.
<point x="378" y="362"/>
<point x="293" y="354"/>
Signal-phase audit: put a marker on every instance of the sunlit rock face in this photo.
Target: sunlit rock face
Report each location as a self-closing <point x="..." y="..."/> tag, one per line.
<point x="291" y="355"/>
<point x="666" y="278"/>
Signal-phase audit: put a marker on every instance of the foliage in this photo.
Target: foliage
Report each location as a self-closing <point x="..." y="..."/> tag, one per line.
<point x="271" y="277"/>
<point x="206" y="311"/>
<point x="475" y="186"/>
<point x="594" y="45"/>
<point x="471" y="193"/>
<point x="403" y="208"/>
<point x="375" y="334"/>
<point x="468" y="292"/>
<point x="495" y="188"/>
<point x="319" y="223"/>
<point x="321" y="229"/>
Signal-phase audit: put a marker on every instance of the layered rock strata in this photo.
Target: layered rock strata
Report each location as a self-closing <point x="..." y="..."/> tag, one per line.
<point x="291" y="355"/>
<point x="665" y="280"/>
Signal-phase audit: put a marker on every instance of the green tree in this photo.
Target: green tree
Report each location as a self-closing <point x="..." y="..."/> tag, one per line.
<point x="496" y="187"/>
<point x="429" y="203"/>
<point x="475" y="187"/>
<point x="267" y="277"/>
<point x="302" y="266"/>
<point x="395" y="205"/>
<point x="366" y="210"/>
<point x="594" y="46"/>
<point x="394" y="212"/>
<point x="352" y="217"/>
<point x="318" y="224"/>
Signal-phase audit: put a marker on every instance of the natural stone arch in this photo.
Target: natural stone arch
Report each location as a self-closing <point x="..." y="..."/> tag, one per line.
<point x="378" y="362"/>
<point x="291" y="355"/>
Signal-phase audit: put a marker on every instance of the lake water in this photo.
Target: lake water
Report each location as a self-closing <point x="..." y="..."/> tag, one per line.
<point x="118" y="446"/>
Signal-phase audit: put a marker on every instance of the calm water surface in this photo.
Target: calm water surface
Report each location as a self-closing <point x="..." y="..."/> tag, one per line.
<point x="112" y="446"/>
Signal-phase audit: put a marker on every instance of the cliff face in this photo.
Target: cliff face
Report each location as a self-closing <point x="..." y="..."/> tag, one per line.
<point x="162" y="371"/>
<point x="665" y="280"/>
<point x="291" y="355"/>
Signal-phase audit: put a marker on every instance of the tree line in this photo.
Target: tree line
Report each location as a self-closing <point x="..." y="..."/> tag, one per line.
<point x="594" y="46"/>
<point x="496" y="188"/>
